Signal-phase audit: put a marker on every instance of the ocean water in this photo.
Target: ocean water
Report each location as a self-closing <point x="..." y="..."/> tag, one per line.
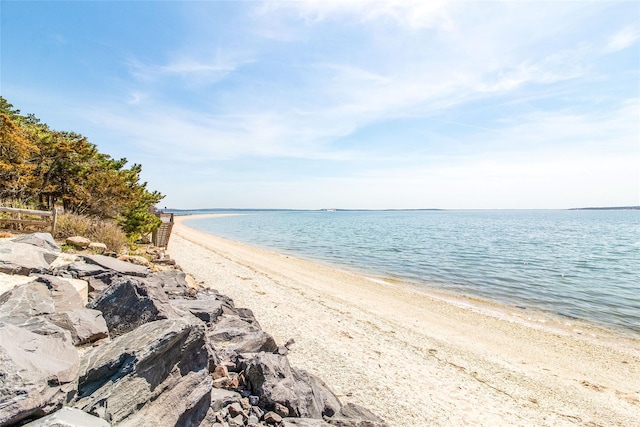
<point x="580" y="264"/>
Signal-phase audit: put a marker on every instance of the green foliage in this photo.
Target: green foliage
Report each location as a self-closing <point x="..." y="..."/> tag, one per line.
<point x="43" y="168"/>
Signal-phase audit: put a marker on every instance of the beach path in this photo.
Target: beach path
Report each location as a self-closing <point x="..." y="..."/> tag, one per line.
<point x="422" y="358"/>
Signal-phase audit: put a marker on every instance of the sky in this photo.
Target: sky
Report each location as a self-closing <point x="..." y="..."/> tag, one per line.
<point x="385" y="104"/>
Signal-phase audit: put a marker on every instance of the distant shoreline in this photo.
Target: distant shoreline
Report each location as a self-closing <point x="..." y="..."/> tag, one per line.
<point x="182" y="212"/>
<point x="611" y="208"/>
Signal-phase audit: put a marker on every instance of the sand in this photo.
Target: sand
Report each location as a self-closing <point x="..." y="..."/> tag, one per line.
<point x="418" y="357"/>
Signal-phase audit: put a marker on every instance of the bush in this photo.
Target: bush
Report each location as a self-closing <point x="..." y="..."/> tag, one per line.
<point x="96" y="230"/>
<point x="110" y="234"/>
<point x="73" y="225"/>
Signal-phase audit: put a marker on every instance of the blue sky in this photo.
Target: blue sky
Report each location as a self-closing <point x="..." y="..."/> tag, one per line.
<point x="346" y="104"/>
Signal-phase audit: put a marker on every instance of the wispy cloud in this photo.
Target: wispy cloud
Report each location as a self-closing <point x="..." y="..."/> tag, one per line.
<point x="410" y="13"/>
<point x="623" y="39"/>
<point x="200" y="68"/>
<point x="411" y="98"/>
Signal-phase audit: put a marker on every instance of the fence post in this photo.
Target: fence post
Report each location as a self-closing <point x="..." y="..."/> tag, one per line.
<point x="54" y="219"/>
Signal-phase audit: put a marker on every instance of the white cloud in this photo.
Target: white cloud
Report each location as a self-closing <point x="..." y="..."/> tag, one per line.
<point x="623" y="39"/>
<point x="198" y="67"/>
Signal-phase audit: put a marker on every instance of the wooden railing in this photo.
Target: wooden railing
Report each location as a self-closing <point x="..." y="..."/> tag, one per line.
<point x="49" y="223"/>
<point x="160" y="237"/>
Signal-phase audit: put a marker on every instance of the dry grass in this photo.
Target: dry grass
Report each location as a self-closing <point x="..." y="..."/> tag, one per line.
<point x="96" y="230"/>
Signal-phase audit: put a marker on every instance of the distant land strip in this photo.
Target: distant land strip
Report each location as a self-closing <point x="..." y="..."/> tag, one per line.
<point x="611" y="208"/>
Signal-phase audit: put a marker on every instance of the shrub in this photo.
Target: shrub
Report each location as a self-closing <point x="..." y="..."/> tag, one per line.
<point x="110" y="234"/>
<point x="73" y="225"/>
<point x="96" y="230"/>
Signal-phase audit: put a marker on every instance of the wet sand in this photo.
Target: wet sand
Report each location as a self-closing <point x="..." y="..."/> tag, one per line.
<point x="418" y="357"/>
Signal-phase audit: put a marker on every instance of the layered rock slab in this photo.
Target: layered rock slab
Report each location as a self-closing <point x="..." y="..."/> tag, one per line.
<point x="154" y="375"/>
<point x="129" y="303"/>
<point x="25" y="258"/>
<point x="272" y="378"/>
<point x="38" y="373"/>
<point x="69" y="417"/>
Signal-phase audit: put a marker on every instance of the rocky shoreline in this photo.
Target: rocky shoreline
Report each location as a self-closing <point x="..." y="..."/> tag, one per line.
<point x="90" y="340"/>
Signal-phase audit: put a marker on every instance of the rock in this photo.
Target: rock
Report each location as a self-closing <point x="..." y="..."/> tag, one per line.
<point x="235" y="409"/>
<point x="118" y="266"/>
<point x="284" y="349"/>
<point x="172" y="282"/>
<point x="220" y="372"/>
<point x="10" y="281"/>
<point x="82" y="269"/>
<point x="352" y="415"/>
<point x="281" y="410"/>
<point x="271" y="377"/>
<point x="85" y="325"/>
<point x="129" y="303"/>
<point x="38" y="373"/>
<point x="257" y="411"/>
<point x="26" y="301"/>
<point x="69" y="417"/>
<point x="24" y="258"/>
<point x="78" y="242"/>
<point x="135" y="259"/>
<point x="164" y="261"/>
<point x="81" y="286"/>
<point x="63" y="260"/>
<point x="98" y="247"/>
<point x="237" y="421"/>
<point x="239" y="332"/>
<point x="64" y="294"/>
<point x="303" y="422"/>
<point x="191" y="282"/>
<point x="41" y="240"/>
<point x="272" y="418"/>
<point x="206" y="309"/>
<point x="221" y="398"/>
<point x="155" y="375"/>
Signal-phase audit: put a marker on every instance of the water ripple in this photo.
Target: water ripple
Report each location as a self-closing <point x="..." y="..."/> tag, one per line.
<point x="582" y="264"/>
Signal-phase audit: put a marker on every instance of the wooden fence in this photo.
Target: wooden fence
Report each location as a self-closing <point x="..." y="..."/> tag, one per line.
<point x="45" y="222"/>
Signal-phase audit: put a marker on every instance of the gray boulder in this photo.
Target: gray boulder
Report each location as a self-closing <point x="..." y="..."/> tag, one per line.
<point x="69" y="417"/>
<point x="271" y="377"/>
<point x="207" y="308"/>
<point x="85" y="270"/>
<point x="38" y="373"/>
<point x="352" y="415"/>
<point x="10" y="281"/>
<point x="85" y="325"/>
<point x="41" y="240"/>
<point x="64" y="295"/>
<point x="121" y="267"/>
<point x="129" y="303"/>
<point x="155" y="375"/>
<point x="78" y="242"/>
<point x="239" y="332"/>
<point x="173" y="283"/>
<point x="24" y="258"/>
<point x="26" y="301"/>
<point x="221" y="398"/>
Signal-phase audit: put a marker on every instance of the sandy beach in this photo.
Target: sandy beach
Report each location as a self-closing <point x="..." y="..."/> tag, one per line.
<point x="421" y="358"/>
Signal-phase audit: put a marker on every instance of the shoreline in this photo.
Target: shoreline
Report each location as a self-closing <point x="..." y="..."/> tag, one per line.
<point x="530" y="316"/>
<point x="422" y="358"/>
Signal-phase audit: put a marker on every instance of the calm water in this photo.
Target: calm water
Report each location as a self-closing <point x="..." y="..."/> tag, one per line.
<point x="580" y="264"/>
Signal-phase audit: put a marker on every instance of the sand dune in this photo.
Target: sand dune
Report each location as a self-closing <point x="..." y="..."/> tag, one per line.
<point x="424" y="359"/>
